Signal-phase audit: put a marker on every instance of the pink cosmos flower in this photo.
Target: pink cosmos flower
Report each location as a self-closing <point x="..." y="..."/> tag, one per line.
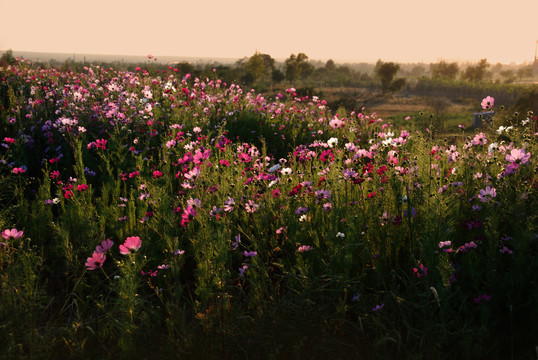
<point x="95" y="261"/>
<point x="100" y="144"/>
<point x="19" y="170"/>
<point x="518" y="156"/>
<point x="157" y="174"/>
<point x="104" y="246"/>
<point x="421" y="271"/>
<point x="82" y="187"/>
<point x="304" y="248"/>
<point x="131" y="244"/>
<point x="201" y="155"/>
<point x="12" y="234"/>
<point x="188" y="214"/>
<point x="488" y="102"/>
<point x="336" y="123"/>
<point x="480" y="139"/>
<point x="251" y="206"/>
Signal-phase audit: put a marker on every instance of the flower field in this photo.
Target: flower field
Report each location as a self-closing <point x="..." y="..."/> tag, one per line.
<point x="150" y="213"/>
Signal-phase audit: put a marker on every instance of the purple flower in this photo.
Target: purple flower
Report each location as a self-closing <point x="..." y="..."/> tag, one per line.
<point x="378" y="307"/>
<point x="413" y="212"/>
<point x="487" y="194"/>
<point x="104" y="246"/>
<point x="482" y="298"/>
<point x="250" y="253"/>
<point x="518" y="156"/>
<point x="229" y="204"/>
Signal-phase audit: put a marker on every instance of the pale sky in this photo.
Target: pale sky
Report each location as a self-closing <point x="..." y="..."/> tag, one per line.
<point x="342" y="30"/>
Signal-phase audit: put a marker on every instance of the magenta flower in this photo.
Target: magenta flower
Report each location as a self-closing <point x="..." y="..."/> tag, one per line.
<point x="104" y="246"/>
<point x="18" y="170"/>
<point x="12" y="234"/>
<point x="188" y="214"/>
<point x="201" y="155"/>
<point x="82" y="187"/>
<point x="100" y="144"/>
<point x="157" y="174"/>
<point x="482" y="298"/>
<point x="518" y="156"/>
<point x="488" y="102"/>
<point x="131" y="244"/>
<point x="421" y="271"/>
<point x="95" y="261"/>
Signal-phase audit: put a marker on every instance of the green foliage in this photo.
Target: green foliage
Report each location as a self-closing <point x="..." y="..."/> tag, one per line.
<point x="444" y="70"/>
<point x="386" y="72"/>
<point x="7" y="58"/>
<point x="297" y="67"/>
<point x="257" y="218"/>
<point x="476" y="72"/>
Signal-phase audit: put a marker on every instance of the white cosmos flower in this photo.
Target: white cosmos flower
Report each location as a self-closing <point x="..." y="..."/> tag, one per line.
<point x="332" y="142"/>
<point x="286" y="171"/>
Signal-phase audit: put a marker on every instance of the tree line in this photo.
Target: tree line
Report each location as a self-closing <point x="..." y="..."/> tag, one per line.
<point x="262" y="71"/>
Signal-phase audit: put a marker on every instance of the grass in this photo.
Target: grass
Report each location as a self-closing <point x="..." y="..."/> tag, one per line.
<point x="269" y="228"/>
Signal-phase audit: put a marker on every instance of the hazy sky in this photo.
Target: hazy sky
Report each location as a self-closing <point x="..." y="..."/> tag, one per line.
<point x="343" y="30"/>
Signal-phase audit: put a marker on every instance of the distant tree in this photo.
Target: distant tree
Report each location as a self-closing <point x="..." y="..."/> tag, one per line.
<point x="330" y="65"/>
<point x="277" y="76"/>
<point x="444" y="70"/>
<point x="386" y="72"/>
<point x="476" y="72"/>
<point x="525" y="72"/>
<point x="508" y="75"/>
<point x="497" y="67"/>
<point x="258" y="67"/>
<point x="297" y="67"/>
<point x="185" y="68"/>
<point x="418" y="70"/>
<point x="7" y="58"/>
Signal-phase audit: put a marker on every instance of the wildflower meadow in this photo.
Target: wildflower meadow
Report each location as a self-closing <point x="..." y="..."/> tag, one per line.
<point x="153" y="214"/>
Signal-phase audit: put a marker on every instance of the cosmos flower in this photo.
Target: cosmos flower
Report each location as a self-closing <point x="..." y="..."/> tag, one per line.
<point x="488" y="102"/>
<point x="518" y="156"/>
<point x="95" y="261"/>
<point x="12" y="234"/>
<point x="131" y="244"/>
